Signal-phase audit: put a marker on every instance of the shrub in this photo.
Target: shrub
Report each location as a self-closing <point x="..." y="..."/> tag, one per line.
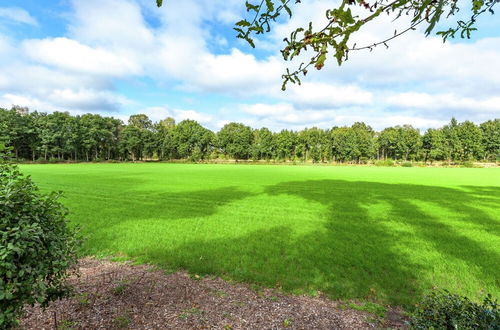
<point x="467" y="164"/>
<point x="444" y="310"/>
<point x="36" y="246"/>
<point x="387" y="162"/>
<point x="407" y="164"/>
<point x="363" y="160"/>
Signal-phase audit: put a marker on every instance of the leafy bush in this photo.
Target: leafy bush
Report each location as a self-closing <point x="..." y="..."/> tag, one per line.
<point x="387" y="162"/>
<point x="407" y="164"/>
<point x="36" y="246"/>
<point x="444" y="310"/>
<point x="467" y="164"/>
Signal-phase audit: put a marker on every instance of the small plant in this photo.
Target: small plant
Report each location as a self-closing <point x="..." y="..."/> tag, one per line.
<point x="119" y="289"/>
<point x="189" y="312"/>
<point x="444" y="310"/>
<point x="65" y="325"/>
<point x="122" y="321"/>
<point x="83" y="299"/>
<point x="407" y="164"/>
<point x="286" y="323"/>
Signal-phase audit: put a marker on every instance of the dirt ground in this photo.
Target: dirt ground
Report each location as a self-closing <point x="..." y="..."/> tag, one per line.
<point x="112" y="295"/>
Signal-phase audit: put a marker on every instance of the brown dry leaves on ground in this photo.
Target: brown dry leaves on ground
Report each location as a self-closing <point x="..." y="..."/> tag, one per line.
<point x="111" y="295"/>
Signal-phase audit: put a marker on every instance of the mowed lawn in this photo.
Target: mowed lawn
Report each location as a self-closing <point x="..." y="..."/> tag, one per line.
<point x="367" y="233"/>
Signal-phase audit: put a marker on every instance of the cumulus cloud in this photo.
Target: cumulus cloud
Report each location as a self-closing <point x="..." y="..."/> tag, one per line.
<point x="71" y="55"/>
<point x="324" y="96"/>
<point x="74" y="101"/>
<point x="159" y="113"/>
<point x="419" y="80"/>
<point x="18" y="15"/>
<point x="286" y="116"/>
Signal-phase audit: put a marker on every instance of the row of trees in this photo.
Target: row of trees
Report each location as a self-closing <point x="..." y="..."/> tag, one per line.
<point x="91" y="137"/>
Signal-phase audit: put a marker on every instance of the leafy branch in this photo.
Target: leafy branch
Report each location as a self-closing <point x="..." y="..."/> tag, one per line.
<point x="335" y="35"/>
<point x="342" y="24"/>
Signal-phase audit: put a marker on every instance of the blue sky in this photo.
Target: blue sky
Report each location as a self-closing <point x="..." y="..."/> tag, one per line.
<point x="120" y="57"/>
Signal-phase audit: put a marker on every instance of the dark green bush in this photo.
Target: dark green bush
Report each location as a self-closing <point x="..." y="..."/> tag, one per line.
<point x="407" y="164"/>
<point x="37" y="248"/>
<point x="444" y="310"/>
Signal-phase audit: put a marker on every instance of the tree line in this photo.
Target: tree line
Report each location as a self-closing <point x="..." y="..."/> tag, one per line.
<point x="59" y="136"/>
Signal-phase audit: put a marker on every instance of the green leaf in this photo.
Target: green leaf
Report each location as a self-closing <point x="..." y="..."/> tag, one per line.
<point x="270" y="5"/>
<point x="243" y="23"/>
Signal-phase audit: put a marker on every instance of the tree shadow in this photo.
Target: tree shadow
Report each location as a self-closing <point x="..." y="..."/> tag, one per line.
<point x="365" y="247"/>
<point x="148" y="214"/>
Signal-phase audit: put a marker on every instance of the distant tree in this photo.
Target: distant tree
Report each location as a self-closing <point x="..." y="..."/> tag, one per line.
<point x="364" y="140"/>
<point x="387" y="142"/>
<point x="470" y="137"/>
<point x="164" y="136"/>
<point x="311" y="144"/>
<point x="235" y="140"/>
<point x="453" y="140"/>
<point x="285" y="145"/>
<point x="167" y="123"/>
<point x="400" y="142"/>
<point x="408" y="143"/>
<point x="132" y="142"/>
<point x="491" y="139"/>
<point x="345" y="147"/>
<point x="263" y="144"/>
<point x="140" y="121"/>
<point x="435" y="145"/>
<point x="191" y="140"/>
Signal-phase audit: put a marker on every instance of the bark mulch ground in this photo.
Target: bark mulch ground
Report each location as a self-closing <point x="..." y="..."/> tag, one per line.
<point x="112" y="295"/>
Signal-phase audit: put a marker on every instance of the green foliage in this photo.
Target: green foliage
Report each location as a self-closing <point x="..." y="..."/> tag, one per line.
<point x="387" y="162"/>
<point x="36" y="246"/>
<point x="491" y="139"/>
<point x="444" y="310"/>
<point x="340" y="230"/>
<point x="59" y="137"/>
<point x="235" y="140"/>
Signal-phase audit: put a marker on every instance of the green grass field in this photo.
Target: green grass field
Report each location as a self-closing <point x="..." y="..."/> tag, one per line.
<point x="367" y="233"/>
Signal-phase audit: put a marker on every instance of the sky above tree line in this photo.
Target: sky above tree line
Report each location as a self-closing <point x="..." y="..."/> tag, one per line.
<point x="123" y="57"/>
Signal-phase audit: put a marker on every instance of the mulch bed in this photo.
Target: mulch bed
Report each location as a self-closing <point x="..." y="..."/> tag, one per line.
<point x="111" y="295"/>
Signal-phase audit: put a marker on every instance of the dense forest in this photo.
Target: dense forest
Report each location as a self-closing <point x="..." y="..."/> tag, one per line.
<point x="59" y="136"/>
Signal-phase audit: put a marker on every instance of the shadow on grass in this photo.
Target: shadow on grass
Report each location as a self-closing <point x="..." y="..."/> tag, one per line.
<point x="363" y="248"/>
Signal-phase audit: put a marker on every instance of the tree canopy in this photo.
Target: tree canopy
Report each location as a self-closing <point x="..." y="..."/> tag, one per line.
<point x="333" y="38"/>
<point x="90" y="137"/>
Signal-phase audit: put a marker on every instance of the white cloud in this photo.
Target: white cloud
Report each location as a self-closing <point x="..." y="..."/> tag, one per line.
<point x="159" y="113"/>
<point x="115" y="24"/>
<point x="419" y="80"/>
<point x="74" y="101"/>
<point x="286" y="116"/>
<point x="69" y="54"/>
<point x="18" y="15"/>
<point x="323" y="95"/>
